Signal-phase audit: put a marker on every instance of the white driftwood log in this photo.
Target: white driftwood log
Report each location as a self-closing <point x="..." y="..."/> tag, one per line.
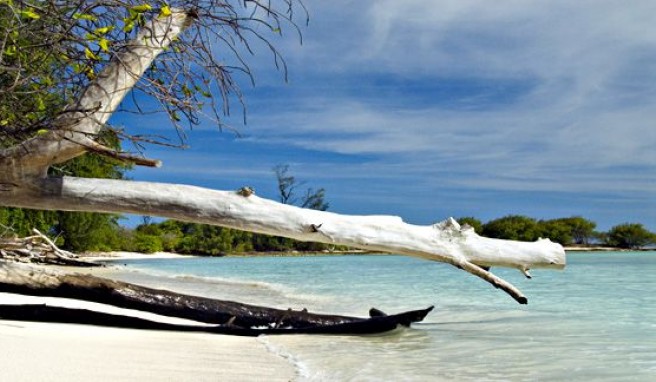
<point x="445" y="242"/>
<point x="24" y="183"/>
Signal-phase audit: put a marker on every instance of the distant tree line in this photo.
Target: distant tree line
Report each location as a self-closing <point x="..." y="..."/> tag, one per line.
<point x="206" y="240"/>
<point x="566" y="231"/>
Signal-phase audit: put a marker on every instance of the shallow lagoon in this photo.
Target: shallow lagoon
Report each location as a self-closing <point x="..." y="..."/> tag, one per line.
<point x="594" y="321"/>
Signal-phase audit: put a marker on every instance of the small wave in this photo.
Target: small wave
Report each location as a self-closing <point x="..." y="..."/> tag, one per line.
<point x="209" y="279"/>
<point x="231" y="281"/>
<point x="302" y="370"/>
<point x="275" y="289"/>
<point x="282" y="290"/>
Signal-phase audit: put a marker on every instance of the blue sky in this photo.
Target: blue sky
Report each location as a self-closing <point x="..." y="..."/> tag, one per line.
<point x="428" y="109"/>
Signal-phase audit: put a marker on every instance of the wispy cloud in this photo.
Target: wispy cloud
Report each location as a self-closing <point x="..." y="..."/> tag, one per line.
<point x="584" y="106"/>
<point x="500" y="104"/>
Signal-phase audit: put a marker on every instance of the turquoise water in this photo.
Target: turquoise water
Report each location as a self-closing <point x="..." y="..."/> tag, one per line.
<point x="595" y="321"/>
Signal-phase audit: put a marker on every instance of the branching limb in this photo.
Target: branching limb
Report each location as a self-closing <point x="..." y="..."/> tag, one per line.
<point x="494" y="280"/>
<point x="54" y="249"/>
<point x="124" y="157"/>
<point x="443" y="242"/>
<point x="38" y="248"/>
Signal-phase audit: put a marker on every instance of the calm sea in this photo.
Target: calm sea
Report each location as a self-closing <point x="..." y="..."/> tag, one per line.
<point x="594" y="321"/>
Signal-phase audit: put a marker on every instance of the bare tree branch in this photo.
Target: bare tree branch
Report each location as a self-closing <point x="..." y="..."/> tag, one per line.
<point x="443" y="242"/>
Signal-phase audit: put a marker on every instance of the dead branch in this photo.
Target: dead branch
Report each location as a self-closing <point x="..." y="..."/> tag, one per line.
<point x="37" y="249"/>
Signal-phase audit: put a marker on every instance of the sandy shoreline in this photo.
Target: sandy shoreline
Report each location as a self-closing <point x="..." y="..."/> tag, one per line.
<point x="118" y="255"/>
<point x="33" y="351"/>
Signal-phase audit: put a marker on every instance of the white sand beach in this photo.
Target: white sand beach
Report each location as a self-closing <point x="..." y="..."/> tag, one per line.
<point x="60" y="352"/>
<point x="117" y="255"/>
<point x="32" y="351"/>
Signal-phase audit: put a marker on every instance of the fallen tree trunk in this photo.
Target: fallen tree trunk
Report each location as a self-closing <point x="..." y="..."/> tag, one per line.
<point x="229" y="316"/>
<point x="444" y="242"/>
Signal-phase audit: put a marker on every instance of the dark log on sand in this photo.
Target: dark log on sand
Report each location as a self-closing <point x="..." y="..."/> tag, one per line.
<point x="355" y="326"/>
<point x="229" y="316"/>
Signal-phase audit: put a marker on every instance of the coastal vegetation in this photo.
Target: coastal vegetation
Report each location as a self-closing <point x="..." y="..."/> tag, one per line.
<point x="571" y="231"/>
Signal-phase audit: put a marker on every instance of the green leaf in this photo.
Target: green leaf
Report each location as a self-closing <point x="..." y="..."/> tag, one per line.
<point x="29" y="14"/>
<point x="83" y="16"/>
<point x="141" y="8"/>
<point x="165" y="11"/>
<point x="40" y="104"/>
<point x="104" y="45"/>
<point x="104" y="30"/>
<point x="129" y="25"/>
<point x="41" y="132"/>
<point x="90" y="55"/>
<point x="10" y="51"/>
<point x="90" y="73"/>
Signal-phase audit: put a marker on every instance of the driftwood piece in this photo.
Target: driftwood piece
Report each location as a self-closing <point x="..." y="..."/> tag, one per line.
<point x="446" y="241"/>
<point x="39" y="249"/>
<point x="229" y="316"/>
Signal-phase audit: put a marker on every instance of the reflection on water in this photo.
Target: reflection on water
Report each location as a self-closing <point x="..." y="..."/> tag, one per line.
<point x="594" y="321"/>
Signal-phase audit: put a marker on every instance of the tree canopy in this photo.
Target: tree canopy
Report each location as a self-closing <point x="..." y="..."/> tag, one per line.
<point x="512" y="227"/>
<point x="51" y="51"/>
<point x="630" y="236"/>
<point x="574" y="230"/>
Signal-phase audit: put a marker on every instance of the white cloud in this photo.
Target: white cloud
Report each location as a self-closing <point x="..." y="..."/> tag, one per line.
<point x="586" y="113"/>
<point x="559" y="96"/>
